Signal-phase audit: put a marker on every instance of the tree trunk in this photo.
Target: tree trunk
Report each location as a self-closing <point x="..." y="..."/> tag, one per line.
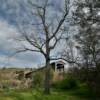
<point x="47" y="78"/>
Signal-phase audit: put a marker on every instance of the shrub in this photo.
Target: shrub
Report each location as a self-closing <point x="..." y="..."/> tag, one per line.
<point x="65" y="84"/>
<point x="37" y="80"/>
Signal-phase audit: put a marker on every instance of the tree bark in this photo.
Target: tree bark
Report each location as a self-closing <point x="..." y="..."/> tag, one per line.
<point x="47" y="78"/>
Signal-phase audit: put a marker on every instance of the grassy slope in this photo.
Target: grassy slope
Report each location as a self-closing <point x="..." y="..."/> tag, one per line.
<point x="77" y="94"/>
<point x="38" y="95"/>
<point x="7" y="74"/>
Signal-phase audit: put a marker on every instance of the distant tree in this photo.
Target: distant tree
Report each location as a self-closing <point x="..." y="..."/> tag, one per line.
<point x="87" y="18"/>
<point x="88" y="38"/>
<point x="70" y="53"/>
<point x="3" y="68"/>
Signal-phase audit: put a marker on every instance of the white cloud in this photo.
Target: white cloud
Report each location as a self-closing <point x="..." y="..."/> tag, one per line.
<point x="6" y="29"/>
<point x="15" y="62"/>
<point x="7" y="46"/>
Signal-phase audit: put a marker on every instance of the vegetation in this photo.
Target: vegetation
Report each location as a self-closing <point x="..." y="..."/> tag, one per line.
<point x="82" y="52"/>
<point x="76" y="94"/>
<point x="68" y="88"/>
<point x="88" y="39"/>
<point x="38" y="79"/>
<point x="65" y="84"/>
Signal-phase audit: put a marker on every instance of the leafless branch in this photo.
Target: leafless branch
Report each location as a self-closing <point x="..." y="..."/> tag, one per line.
<point x="61" y="21"/>
<point x="56" y="41"/>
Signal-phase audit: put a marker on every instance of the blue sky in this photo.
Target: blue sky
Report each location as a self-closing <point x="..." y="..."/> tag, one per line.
<point x="11" y="13"/>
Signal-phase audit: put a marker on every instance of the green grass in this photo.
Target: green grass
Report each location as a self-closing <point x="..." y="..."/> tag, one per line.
<point x="38" y="95"/>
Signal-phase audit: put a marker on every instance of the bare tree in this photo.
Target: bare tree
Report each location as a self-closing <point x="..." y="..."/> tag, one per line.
<point x="70" y="53"/>
<point x="49" y="27"/>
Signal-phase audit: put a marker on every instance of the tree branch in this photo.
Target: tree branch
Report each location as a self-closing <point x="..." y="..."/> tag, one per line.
<point x="61" y="21"/>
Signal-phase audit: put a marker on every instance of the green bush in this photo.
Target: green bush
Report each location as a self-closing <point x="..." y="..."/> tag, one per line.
<point x="65" y="84"/>
<point x="37" y="80"/>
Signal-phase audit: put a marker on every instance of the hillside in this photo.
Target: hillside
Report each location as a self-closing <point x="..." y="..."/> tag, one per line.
<point x="13" y="77"/>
